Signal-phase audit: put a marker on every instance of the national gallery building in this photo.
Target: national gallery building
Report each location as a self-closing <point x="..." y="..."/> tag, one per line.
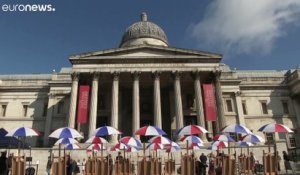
<point x="144" y="81"/>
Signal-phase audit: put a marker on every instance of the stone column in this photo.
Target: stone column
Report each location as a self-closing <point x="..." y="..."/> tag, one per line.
<point x="178" y="101"/>
<point x="135" y="103"/>
<point x="73" y="100"/>
<point x="93" y="104"/>
<point x="296" y="107"/>
<point x="199" y="102"/>
<point x="157" y="100"/>
<point x="48" y="122"/>
<point x="219" y="101"/>
<point x="115" y="105"/>
<point x="239" y="106"/>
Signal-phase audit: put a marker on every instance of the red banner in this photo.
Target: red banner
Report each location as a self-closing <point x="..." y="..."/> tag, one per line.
<point x="83" y="102"/>
<point x="209" y="102"/>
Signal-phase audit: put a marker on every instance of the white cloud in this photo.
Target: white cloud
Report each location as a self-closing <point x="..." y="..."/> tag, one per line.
<point x="243" y="26"/>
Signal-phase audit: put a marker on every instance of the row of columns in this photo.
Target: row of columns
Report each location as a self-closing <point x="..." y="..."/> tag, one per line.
<point x="136" y="101"/>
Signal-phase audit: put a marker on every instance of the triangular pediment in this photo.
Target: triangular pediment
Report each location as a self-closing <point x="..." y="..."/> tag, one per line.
<point x="146" y="51"/>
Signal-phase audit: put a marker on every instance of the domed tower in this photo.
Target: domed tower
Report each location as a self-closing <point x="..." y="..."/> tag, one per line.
<point x="144" y="32"/>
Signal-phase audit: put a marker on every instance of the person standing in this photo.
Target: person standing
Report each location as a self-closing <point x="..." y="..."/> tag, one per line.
<point x="203" y="165"/>
<point x="49" y="164"/>
<point x="83" y="166"/>
<point x="3" y="164"/>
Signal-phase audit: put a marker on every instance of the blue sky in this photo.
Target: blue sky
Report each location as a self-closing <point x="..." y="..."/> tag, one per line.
<point x="252" y="34"/>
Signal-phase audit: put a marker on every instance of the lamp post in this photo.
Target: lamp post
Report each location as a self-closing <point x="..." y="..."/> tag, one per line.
<point x="37" y="166"/>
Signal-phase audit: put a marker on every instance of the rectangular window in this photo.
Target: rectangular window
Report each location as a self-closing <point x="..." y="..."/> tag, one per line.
<point x="269" y="138"/>
<point x="244" y="108"/>
<point x="189" y="101"/>
<point x="229" y="105"/>
<point x="264" y="107"/>
<point x="285" y="107"/>
<point x="45" y="109"/>
<point x="3" y="110"/>
<point x="25" y="110"/>
<point x="60" y="107"/>
<point x="292" y="141"/>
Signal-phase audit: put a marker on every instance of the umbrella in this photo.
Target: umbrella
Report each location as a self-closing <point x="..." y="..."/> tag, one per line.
<point x="244" y="144"/>
<point x="160" y="139"/>
<point x="121" y="146"/>
<point x="10" y="142"/>
<point x="131" y="141"/>
<point x="106" y="130"/>
<point x="72" y="146"/>
<point x="65" y="141"/>
<point x="155" y="146"/>
<point x="195" y="146"/>
<point x="216" y="145"/>
<point x="150" y="131"/>
<point x="236" y="128"/>
<point x="172" y="144"/>
<point x="252" y="138"/>
<point x="275" y="127"/>
<point x="223" y="137"/>
<point x="191" y="139"/>
<point x="132" y="149"/>
<point x="191" y="130"/>
<point x="96" y="140"/>
<point x="172" y="148"/>
<point x="22" y="132"/>
<point x="65" y="132"/>
<point x="95" y="146"/>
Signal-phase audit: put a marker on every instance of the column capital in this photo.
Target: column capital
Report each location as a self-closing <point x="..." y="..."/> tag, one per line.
<point x="136" y="75"/>
<point x="115" y="75"/>
<point x="176" y="75"/>
<point x="156" y="75"/>
<point x="96" y="76"/>
<point x="75" y="76"/>
<point x="195" y="75"/>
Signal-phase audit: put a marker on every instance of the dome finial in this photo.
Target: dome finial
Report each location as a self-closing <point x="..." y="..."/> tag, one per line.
<point x="144" y="16"/>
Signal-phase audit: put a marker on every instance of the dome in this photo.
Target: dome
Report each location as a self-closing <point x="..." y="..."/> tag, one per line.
<point x="144" y="32"/>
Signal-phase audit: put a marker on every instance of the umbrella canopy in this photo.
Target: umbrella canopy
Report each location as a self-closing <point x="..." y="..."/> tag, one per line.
<point x="155" y="146"/>
<point x="195" y="146"/>
<point x="132" y="149"/>
<point x="150" y="131"/>
<point x="72" y="146"/>
<point x="160" y="139"/>
<point x="120" y="146"/>
<point x="95" y="146"/>
<point x="22" y="132"/>
<point x="218" y="145"/>
<point x="274" y="127"/>
<point x="65" y="141"/>
<point x="106" y="130"/>
<point x="96" y="140"/>
<point x="170" y="149"/>
<point x="223" y="137"/>
<point x="131" y="141"/>
<point x="172" y="144"/>
<point x="252" y="138"/>
<point x="191" y="130"/>
<point x="191" y="139"/>
<point x="244" y="144"/>
<point x="236" y="128"/>
<point x="10" y="142"/>
<point x="65" y="132"/>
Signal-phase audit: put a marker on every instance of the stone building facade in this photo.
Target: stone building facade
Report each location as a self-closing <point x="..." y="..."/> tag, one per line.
<point x="145" y="81"/>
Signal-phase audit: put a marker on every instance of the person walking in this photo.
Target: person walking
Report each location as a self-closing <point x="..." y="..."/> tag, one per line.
<point x="288" y="164"/>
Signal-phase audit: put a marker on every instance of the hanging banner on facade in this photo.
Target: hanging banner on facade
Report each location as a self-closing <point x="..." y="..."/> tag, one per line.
<point x="83" y="102"/>
<point x="209" y="102"/>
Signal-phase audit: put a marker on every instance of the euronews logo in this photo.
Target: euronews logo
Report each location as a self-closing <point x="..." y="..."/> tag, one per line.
<point x="27" y="8"/>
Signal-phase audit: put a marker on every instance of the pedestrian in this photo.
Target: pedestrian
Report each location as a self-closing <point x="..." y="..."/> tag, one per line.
<point x="3" y="164"/>
<point x="252" y="162"/>
<point x="68" y="165"/>
<point x="9" y="162"/>
<point x="203" y="165"/>
<point x="278" y="161"/>
<point x="48" y="166"/>
<point x="110" y="162"/>
<point x="288" y="164"/>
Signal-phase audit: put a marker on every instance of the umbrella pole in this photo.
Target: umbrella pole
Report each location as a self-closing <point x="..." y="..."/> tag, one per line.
<point x="144" y="149"/>
<point x="187" y="147"/>
<point x="19" y="147"/>
<point x="59" y="145"/>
